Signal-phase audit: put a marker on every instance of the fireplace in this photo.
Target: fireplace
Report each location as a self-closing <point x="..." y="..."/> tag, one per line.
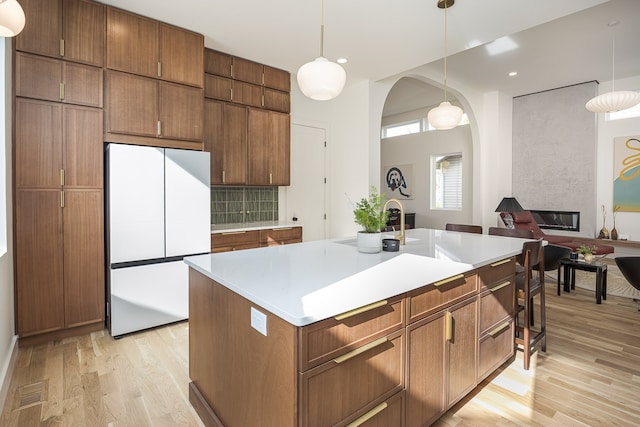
<point x="557" y="220"/>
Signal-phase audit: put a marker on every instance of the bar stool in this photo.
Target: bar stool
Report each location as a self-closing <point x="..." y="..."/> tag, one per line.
<point x="477" y="229"/>
<point x="528" y="286"/>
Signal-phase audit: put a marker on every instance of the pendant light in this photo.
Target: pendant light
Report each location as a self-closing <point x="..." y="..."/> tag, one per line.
<point x="445" y="116"/>
<point x="321" y="79"/>
<point x="11" y="18"/>
<point x="615" y="100"/>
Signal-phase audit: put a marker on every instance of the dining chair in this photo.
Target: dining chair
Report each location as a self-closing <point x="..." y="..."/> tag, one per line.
<point x="630" y="268"/>
<point x="477" y="229"/>
<point x="511" y="232"/>
<point x="528" y="286"/>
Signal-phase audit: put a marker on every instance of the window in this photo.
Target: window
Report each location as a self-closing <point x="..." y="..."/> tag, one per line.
<point x="446" y="179"/>
<point x="399" y="129"/>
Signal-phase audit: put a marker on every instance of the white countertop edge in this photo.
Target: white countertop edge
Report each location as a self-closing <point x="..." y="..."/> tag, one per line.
<point x="249" y="226"/>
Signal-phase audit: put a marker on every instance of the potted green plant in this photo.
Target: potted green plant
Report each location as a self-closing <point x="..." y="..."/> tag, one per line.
<point x="368" y="213"/>
<point x="587" y="252"/>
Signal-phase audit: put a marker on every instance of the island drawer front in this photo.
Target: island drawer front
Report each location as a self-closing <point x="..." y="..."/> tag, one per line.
<point x="235" y="240"/>
<point x="496" y="272"/>
<point x="495" y="348"/>
<point x="432" y="298"/>
<point x="497" y="303"/>
<point x="334" y="392"/>
<point x="386" y="414"/>
<point x="277" y="235"/>
<point x="330" y="338"/>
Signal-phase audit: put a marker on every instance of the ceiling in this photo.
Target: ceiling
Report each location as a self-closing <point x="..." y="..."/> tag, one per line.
<point x="559" y="42"/>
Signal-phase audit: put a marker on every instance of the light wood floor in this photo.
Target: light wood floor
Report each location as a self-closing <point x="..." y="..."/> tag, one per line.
<point x="589" y="376"/>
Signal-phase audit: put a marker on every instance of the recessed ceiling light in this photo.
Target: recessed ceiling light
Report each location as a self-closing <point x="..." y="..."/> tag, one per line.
<point x="513" y="74"/>
<point x="342" y="60"/>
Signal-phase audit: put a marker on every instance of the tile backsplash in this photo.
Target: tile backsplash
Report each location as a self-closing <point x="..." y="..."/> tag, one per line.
<point x="232" y="205"/>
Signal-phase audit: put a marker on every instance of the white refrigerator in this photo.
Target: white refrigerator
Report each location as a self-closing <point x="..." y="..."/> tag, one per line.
<point x="157" y="212"/>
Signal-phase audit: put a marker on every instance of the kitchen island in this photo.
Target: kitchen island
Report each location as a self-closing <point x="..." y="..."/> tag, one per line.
<point x="318" y="334"/>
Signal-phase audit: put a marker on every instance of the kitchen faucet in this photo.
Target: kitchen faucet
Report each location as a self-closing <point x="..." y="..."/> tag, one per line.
<point x="384" y="208"/>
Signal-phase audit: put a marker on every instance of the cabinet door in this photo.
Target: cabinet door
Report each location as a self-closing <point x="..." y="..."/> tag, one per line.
<point x="83" y="257"/>
<point x="83" y="32"/>
<point x="425" y="386"/>
<point x="42" y="29"/>
<point x="180" y="111"/>
<point x="259" y="149"/>
<point x="276" y="100"/>
<point x="217" y="63"/>
<point x="132" y="43"/>
<point x="247" y="71"/>
<point x="38" y="77"/>
<point x="213" y="137"/>
<point x="83" y="147"/>
<point x="462" y="350"/>
<point x="181" y="56"/>
<point x="246" y="94"/>
<point x="131" y="105"/>
<point x="235" y="144"/>
<point x="280" y="137"/>
<point x="38" y="252"/>
<point x="38" y="144"/>
<point x="277" y="79"/>
<point x="217" y="87"/>
<point x="82" y="84"/>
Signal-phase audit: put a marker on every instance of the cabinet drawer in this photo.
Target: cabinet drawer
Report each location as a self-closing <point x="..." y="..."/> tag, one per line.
<point x="333" y="337"/>
<point x="278" y="235"/>
<point x="436" y="296"/>
<point x="496" y="272"/>
<point x="217" y="87"/>
<point x="233" y="247"/>
<point x="496" y="347"/>
<point x="235" y="239"/>
<point x="338" y="389"/>
<point x="386" y="414"/>
<point x="496" y="303"/>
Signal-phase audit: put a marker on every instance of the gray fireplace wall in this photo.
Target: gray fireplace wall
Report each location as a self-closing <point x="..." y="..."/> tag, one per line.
<point x="554" y="153"/>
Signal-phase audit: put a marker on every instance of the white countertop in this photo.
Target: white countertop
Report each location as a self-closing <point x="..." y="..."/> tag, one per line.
<point x="306" y="282"/>
<point x="248" y="226"/>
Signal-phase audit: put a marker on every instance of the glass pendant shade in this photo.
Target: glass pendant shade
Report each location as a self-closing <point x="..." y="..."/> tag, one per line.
<point x="11" y="18"/>
<point x="321" y="79"/>
<point x="613" y="101"/>
<point x="445" y="116"/>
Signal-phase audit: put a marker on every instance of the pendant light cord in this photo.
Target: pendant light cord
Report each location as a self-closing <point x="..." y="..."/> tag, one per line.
<point x="445" y="50"/>
<point x="613" y="65"/>
<point x="322" y="32"/>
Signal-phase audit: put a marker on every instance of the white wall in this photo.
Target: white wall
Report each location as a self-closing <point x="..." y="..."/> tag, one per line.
<point x="626" y="222"/>
<point x="8" y="338"/>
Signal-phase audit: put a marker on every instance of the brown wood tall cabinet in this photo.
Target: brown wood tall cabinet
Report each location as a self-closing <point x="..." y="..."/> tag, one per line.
<point x="153" y="82"/>
<point x="256" y="97"/>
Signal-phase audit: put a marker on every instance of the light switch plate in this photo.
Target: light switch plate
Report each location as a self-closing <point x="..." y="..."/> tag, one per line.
<point x="259" y="321"/>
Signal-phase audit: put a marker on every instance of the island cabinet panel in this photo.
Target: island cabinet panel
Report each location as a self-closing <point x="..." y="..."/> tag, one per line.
<point x="435" y="297"/>
<point x="73" y="30"/>
<point x="348" y="387"/>
<point x="441" y="362"/>
<point x="280" y="236"/>
<point x="246" y="378"/>
<point x="325" y="340"/>
<point x="496" y="314"/>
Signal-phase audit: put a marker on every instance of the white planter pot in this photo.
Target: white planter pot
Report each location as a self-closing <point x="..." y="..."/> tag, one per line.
<point x="369" y="243"/>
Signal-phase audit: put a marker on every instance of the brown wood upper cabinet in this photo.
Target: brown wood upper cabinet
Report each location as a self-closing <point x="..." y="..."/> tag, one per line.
<point x="268" y="148"/>
<point x="51" y="79"/>
<point x="146" y="47"/>
<point x="225" y="137"/>
<point x="145" y="107"/>
<point x="69" y="29"/>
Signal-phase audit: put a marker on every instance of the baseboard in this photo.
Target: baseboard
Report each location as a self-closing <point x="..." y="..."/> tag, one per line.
<point x="7" y="370"/>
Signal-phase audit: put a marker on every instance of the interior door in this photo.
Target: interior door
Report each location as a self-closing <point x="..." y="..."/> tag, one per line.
<point x="306" y="196"/>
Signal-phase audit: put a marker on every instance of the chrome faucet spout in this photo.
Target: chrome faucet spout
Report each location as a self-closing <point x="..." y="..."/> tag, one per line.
<point x="401" y="235"/>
